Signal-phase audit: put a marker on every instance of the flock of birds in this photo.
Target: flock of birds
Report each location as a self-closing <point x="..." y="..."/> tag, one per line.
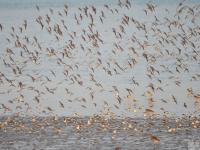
<point x="72" y="50"/>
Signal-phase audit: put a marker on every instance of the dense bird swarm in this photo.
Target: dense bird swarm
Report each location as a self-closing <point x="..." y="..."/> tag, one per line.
<point x="78" y="55"/>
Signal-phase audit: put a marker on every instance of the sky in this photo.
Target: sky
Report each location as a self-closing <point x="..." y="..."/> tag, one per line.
<point x="14" y="12"/>
<point x="47" y="3"/>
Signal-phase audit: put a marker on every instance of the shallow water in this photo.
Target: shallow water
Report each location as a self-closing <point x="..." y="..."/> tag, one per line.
<point x="118" y="133"/>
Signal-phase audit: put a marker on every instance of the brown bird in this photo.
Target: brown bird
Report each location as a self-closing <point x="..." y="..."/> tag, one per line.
<point x="37" y="7"/>
<point x="154" y="138"/>
<point x="61" y="104"/>
<point x="49" y="108"/>
<point x="1" y="27"/>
